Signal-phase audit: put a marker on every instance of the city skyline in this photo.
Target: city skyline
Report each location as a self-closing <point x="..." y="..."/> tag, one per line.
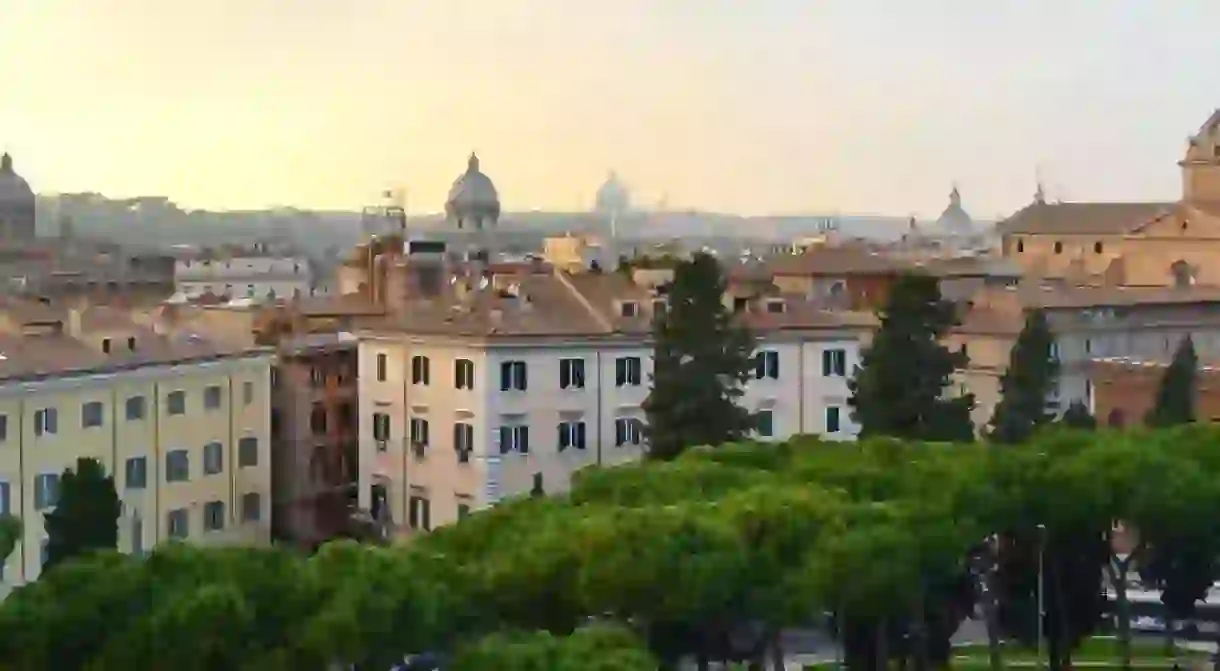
<point x="870" y="106"/>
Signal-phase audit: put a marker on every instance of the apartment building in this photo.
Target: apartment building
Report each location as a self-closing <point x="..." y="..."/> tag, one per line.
<point x="511" y="377"/>
<point x="257" y="274"/>
<point x="1089" y="323"/>
<point x="181" y="421"/>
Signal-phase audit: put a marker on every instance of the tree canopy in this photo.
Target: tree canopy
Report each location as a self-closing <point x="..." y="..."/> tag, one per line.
<point x="903" y="386"/>
<point x="707" y="557"/>
<point x="86" y="515"/>
<point x="702" y="359"/>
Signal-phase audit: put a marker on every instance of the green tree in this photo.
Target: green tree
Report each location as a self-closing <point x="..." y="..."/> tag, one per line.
<point x="900" y="388"/>
<point x="1175" y="397"/>
<point x="10" y="535"/>
<point x="86" y="515"/>
<point x="702" y="360"/>
<point x="592" y="648"/>
<point x="1077" y="416"/>
<point x="1033" y="372"/>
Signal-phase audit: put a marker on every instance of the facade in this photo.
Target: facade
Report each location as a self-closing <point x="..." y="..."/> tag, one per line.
<point x="16" y="205"/>
<point x="313" y="436"/>
<point x="181" y="422"/>
<point x="519" y="379"/>
<point x="1133" y="244"/>
<point x="1125" y="390"/>
<point x="257" y="276"/>
<point x="1088" y="323"/>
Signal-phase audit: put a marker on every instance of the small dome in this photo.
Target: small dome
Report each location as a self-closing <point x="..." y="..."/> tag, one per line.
<point x="473" y="195"/>
<point x="954" y="219"/>
<point x="13" y="189"/>
<point x="613" y="196"/>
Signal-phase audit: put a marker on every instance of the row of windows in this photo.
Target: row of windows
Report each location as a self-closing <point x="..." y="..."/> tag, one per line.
<point x="1098" y="247"/>
<point x="178" y="520"/>
<point x="178" y="462"/>
<point x="93" y="413"/>
<point x="628" y="371"/>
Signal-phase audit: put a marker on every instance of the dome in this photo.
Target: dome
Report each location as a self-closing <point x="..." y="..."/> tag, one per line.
<point x="13" y="189"/>
<point x="954" y="219"/>
<point x="473" y="196"/>
<point x="613" y="196"/>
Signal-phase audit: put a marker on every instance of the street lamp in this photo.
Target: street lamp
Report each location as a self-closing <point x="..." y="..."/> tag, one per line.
<point x="1041" y="603"/>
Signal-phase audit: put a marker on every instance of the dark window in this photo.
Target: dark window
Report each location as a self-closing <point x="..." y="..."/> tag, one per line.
<point x="571" y="373"/>
<point x="213" y="515"/>
<point x="419" y="370"/>
<point x="513" y="376"/>
<point x="211" y="398"/>
<point x="213" y="458"/>
<point x="175" y="403"/>
<point x="382" y="366"/>
<point x="137" y="473"/>
<point x="177" y="466"/>
<point x="463" y="374"/>
<point x="1097" y="247"/>
<point x="247" y="452"/>
<point x="1058" y="247"/>
<point x="627" y="371"/>
<point x="135" y="408"/>
<point x="91" y="414"/>
<point x="766" y="365"/>
<point x="317" y="419"/>
<point x="251" y="507"/>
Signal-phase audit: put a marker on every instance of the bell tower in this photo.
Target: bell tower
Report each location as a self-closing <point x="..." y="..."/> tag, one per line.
<point x="1201" y="165"/>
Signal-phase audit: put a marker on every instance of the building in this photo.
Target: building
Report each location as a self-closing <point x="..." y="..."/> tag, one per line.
<point x="1134" y="244"/>
<point x="181" y="421"/>
<point x="522" y="376"/>
<point x="1088" y="323"/>
<point x="16" y="205"/>
<point x="255" y="273"/>
<point x="1125" y="389"/>
<point x="850" y="276"/>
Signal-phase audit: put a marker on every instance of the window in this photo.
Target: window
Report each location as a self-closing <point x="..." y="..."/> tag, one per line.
<point x="628" y="431"/>
<point x="513" y="376"/>
<point x="178" y="523"/>
<point x="381" y="430"/>
<point x="247" y="392"/>
<point x="1088" y="346"/>
<point x="5" y="501"/>
<point x="463" y="441"/>
<point x="177" y="466"/>
<point x="275" y="378"/>
<point x="1058" y="247"/>
<point x="834" y="363"/>
<point x="46" y="490"/>
<point x="571" y="373"/>
<point x="419" y="431"/>
<point x="463" y="374"/>
<point x="766" y="365"/>
<point x="136" y="407"/>
<point x="211" y="398"/>
<point x="131" y="344"/>
<point x="571" y="434"/>
<point x="833" y="419"/>
<point x="213" y="458"/>
<point x="91" y="414"/>
<point x="628" y="308"/>
<point x="137" y="536"/>
<point x="3" y="428"/>
<point x="420" y="370"/>
<point x="514" y="439"/>
<point x="1020" y="246"/>
<point x="1055" y="349"/>
<point x="317" y="420"/>
<point x="175" y="403"/>
<point x="251" y="507"/>
<point x="105" y="345"/>
<point x="136" y="471"/>
<point x="775" y="306"/>
<point x="247" y="452"/>
<point x="1097" y="247"/>
<point x="382" y="367"/>
<point x="46" y="421"/>
<point x="213" y="515"/>
<point x="419" y="513"/>
<point x="316" y="377"/>
<point x="766" y="423"/>
<point x="627" y="371"/>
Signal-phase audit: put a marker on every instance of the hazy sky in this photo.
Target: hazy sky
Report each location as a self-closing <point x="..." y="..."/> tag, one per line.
<point x="736" y="105"/>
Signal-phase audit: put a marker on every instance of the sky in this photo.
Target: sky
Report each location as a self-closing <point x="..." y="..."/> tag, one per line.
<point x="754" y="107"/>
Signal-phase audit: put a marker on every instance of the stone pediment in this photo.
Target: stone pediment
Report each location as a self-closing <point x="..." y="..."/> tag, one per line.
<point x="1198" y="221"/>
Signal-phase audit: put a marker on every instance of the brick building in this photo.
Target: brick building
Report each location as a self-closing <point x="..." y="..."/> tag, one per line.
<point x="1124" y="390"/>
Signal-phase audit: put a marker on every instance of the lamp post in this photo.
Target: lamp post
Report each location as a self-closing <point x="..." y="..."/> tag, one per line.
<point x="1041" y="602"/>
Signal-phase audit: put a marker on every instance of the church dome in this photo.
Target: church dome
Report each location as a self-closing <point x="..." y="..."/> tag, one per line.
<point x="14" y="191"/>
<point x="613" y="196"/>
<point x="954" y="219"/>
<point x="473" y="196"/>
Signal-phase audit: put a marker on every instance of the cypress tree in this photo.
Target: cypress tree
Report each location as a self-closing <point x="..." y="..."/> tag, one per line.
<point x="702" y="360"/>
<point x="1077" y="416"/>
<point x="1175" y="398"/>
<point x="1033" y="371"/>
<point x="86" y="515"/>
<point x="900" y="388"/>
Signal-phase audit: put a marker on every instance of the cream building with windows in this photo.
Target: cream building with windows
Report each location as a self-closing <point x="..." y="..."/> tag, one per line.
<point x="518" y="377"/>
<point x="181" y="422"/>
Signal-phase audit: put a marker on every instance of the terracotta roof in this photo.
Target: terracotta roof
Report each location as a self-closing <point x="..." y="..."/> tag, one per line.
<point x="348" y="304"/>
<point x="1082" y="218"/>
<point x="1083" y="297"/>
